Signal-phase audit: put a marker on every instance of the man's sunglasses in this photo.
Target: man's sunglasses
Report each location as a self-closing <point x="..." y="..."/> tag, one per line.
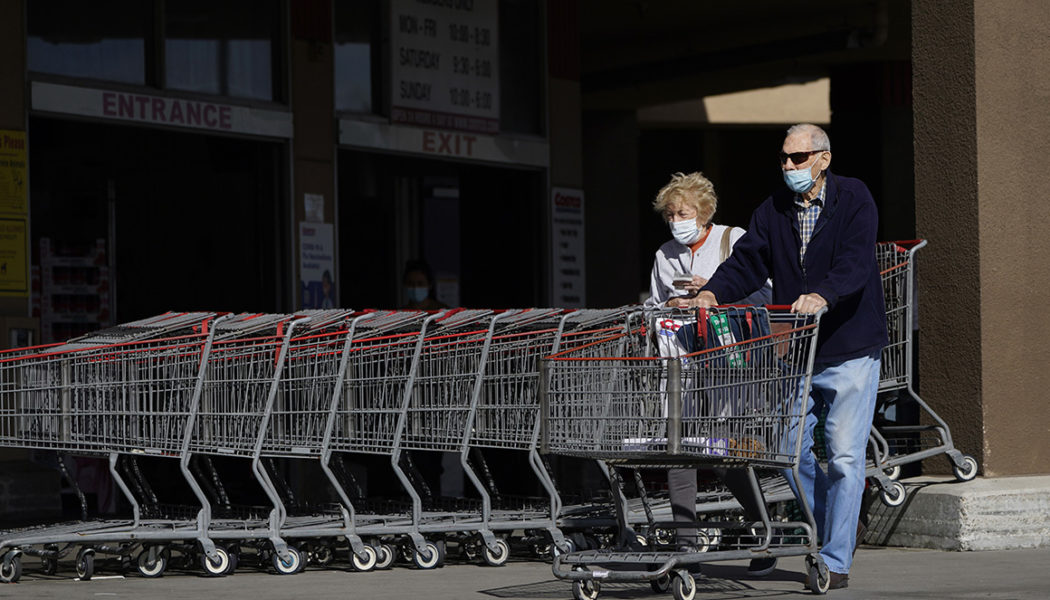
<point x="798" y="158"/>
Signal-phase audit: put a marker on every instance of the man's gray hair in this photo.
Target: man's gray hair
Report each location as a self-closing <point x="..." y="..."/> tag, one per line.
<point x="818" y="136"/>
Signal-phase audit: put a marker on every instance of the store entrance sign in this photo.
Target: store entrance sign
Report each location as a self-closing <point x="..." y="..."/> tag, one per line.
<point x="160" y="110"/>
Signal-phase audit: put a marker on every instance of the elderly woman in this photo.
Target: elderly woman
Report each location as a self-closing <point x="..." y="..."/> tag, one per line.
<point x="684" y="264"/>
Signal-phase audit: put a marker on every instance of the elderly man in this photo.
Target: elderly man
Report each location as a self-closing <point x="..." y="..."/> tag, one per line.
<point x="816" y="240"/>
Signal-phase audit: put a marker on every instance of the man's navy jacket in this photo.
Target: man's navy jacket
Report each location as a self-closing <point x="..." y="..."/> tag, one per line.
<point x="840" y="265"/>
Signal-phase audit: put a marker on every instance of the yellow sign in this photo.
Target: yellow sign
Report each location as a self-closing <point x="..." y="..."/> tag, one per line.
<point x="13" y="184"/>
<point x="14" y="278"/>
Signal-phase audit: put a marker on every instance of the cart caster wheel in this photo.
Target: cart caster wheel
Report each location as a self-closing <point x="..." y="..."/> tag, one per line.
<point x="369" y="562"/>
<point x="11" y="569"/>
<point x="85" y="564"/>
<point x="498" y="557"/>
<point x="293" y="564"/>
<point x="894" y="495"/>
<point x="324" y="555"/>
<point x="154" y="568"/>
<point x="661" y="584"/>
<point x="664" y="537"/>
<point x="430" y="559"/>
<point x="819" y="577"/>
<point x="683" y="586"/>
<point x="219" y="566"/>
<point x="893" y="473"/>
<point x="703" y="541"/>
<point x="49" y="565"/>
<point x="586" y="589"/>
<point x="967" y="470"/>
<point x="385" y="556"/>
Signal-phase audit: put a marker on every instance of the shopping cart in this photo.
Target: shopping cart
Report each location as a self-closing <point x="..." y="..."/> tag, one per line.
<point x="369" y="417"/>
<point x="674" y="333"/>
<point x="504" y="419"/>
<point x="893" y="445"/>
<point x="117" y="393"/>
<point x="739" y="404"/>
<point x="303" y="418"/>
<point x="240" y="387"/>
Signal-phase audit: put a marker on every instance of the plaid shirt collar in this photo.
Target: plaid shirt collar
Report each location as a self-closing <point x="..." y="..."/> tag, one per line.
<point x="800" y="204"/>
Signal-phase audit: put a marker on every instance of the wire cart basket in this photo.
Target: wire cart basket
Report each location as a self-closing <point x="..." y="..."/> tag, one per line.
<point x="894" y="445"/>
<point x="737" y="404"/>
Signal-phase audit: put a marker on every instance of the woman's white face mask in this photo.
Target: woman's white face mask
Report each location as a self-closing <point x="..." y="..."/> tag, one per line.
<point x="685" y="232"/>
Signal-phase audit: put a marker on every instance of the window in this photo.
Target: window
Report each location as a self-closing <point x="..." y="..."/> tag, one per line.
<point x="222" y="48"/>
<point x="104" y="41"/>
<point x="357" y="64"/>
<point x="225" y="48"/>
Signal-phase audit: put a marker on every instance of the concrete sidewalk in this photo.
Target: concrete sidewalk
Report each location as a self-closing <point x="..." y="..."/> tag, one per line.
<point x="878" y="573"/>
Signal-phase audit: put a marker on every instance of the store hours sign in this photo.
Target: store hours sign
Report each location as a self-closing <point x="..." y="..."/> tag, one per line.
<point x="445" y="64"/>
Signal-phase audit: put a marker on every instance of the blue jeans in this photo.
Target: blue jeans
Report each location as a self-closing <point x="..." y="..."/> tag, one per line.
<point x="848" y="390"/>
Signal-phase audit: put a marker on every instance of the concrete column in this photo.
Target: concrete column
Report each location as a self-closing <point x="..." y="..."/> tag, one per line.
<point x="313" y="111"/>
<point x="981" y="88"/>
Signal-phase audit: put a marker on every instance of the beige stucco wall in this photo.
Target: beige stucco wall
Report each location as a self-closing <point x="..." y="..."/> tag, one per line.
<point x="1013" y="146"/>
<point x="981" y="142"/>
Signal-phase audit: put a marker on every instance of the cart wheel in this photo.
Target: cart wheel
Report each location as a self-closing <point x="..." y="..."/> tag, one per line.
<point x="893" y="472"/>
<point x="683" y="586"/>
<point x="894" y="495"/>
<point x="967" y="470"/>
<point x="586" y="589"/>
<point x="154" y="568"/>
<point x="664" y="537"/>
<point x="323" y="555"/>
<point x="85" y="564"/>
<point x="49" y="565"/>
<point x="368" y="562"/>
<point x="468" y="547"/>
<point x="661" y="584"/>
<point x="703" y="541"/>
<point x="497" y="557"/>
<point x="219" y="566"/>
<point x="234" y="552"/>
<point x="293" y="564"/>
<point x="819" y="577"/>
<point x="428" y="559"/>
<point x="385" y="556"/>
<point x="11" y="569"/>
<point x="569" y="547"/>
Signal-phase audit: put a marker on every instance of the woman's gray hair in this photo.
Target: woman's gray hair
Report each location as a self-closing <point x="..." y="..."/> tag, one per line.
<point x="818" y="136"/>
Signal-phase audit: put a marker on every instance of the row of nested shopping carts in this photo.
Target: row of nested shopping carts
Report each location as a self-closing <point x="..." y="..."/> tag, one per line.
<point x="318" y="386"/>
<point x="326" y="386"/>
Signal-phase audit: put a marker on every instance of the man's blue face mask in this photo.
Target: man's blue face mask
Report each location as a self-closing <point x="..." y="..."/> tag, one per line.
<point x="799" y="180"/>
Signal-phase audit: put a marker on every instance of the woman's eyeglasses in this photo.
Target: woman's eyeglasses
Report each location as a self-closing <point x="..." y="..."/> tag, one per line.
<point x="797" y="158"/>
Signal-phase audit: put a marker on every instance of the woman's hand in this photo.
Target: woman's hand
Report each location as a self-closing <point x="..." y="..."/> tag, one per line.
<point x="694" y="286"/>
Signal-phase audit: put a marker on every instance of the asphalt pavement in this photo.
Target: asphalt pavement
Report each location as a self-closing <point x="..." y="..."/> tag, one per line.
<point x="878" y="572"/>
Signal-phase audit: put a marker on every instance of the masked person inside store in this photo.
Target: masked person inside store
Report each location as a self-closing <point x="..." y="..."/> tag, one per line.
<point x="418" y="285"/>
